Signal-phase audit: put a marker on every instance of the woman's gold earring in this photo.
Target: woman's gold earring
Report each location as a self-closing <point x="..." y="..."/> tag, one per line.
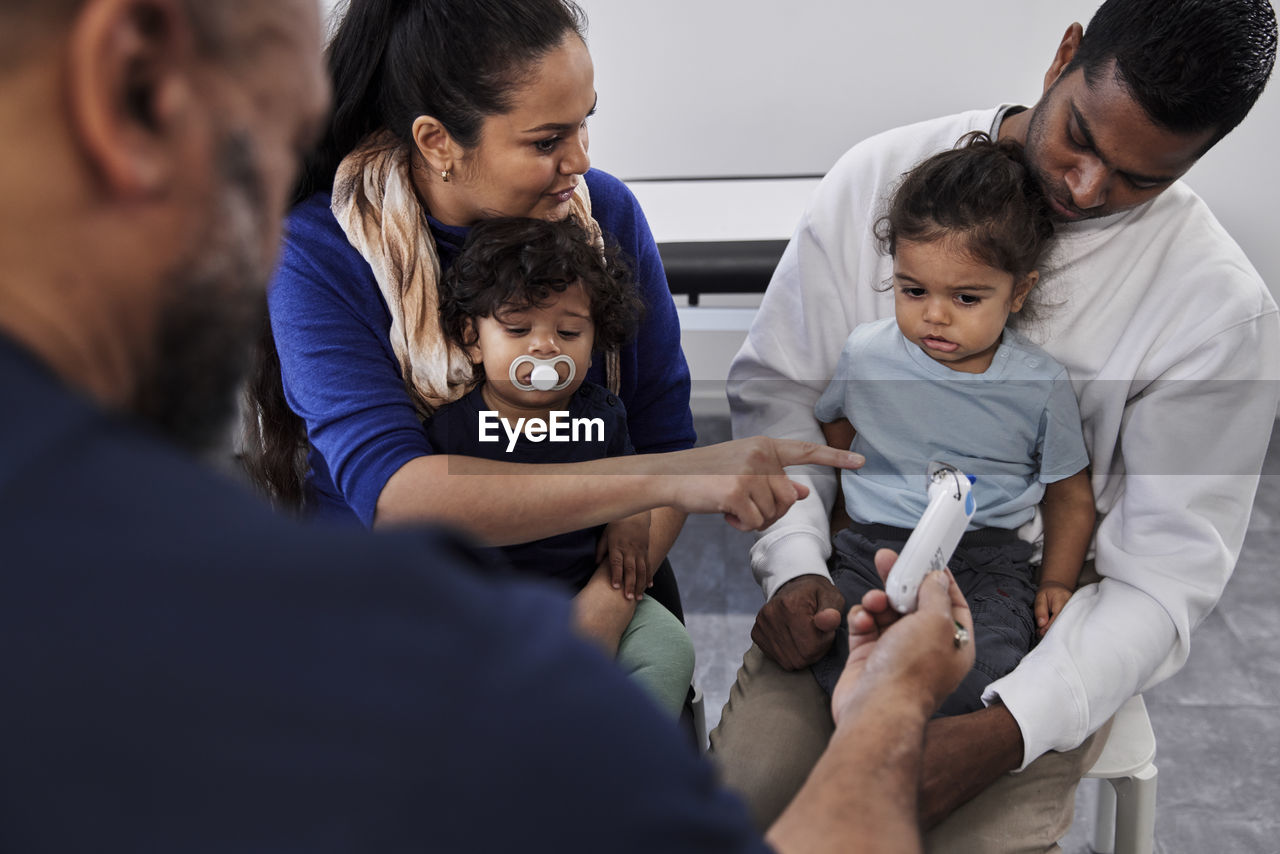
<point x="444" y="175"/>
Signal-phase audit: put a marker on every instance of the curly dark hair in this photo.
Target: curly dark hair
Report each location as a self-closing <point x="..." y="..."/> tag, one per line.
<point x="982" y="191"/>
<point x="510" y="264"/>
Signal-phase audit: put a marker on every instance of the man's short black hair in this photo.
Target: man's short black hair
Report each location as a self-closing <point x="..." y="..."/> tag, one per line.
<point x="1193" y="65"/>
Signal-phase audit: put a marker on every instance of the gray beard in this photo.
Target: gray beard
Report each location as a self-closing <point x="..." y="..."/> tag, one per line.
<point x="215" y="308"/>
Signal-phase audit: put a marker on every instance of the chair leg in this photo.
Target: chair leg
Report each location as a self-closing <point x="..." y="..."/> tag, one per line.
<point x="1104" y="819"/>
<point x="699" y="720"/>
<point x="1136" y="812"/>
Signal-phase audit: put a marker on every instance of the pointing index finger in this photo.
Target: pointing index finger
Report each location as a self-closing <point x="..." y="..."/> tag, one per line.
<point x="794" y="452"/>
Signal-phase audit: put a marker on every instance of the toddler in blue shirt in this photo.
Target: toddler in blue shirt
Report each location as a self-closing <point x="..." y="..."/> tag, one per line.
<point x="946" y="380"/>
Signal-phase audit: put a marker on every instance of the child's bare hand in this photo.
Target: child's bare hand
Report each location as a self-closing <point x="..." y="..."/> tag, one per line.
<point x="626" y="545"/>
<point x="1050" y="601"/>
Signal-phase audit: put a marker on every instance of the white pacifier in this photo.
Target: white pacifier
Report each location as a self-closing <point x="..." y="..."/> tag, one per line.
<point x="544" y="376"/>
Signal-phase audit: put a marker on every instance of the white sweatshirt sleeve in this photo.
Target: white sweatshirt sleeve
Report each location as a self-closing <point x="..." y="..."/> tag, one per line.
<point x="1192" y="444"/>
<point x="775" y="380"/>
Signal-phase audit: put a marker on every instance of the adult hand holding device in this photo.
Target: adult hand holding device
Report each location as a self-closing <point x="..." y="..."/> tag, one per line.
<point x="922" y="655"/>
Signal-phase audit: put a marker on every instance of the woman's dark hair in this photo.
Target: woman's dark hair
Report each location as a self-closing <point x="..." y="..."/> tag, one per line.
<point x="1193" y="65"/>
<point x="391" y="61"/>
<point x="274" y="453"/>
<point x="982" y="192"/>
<point x="510" y="264"/>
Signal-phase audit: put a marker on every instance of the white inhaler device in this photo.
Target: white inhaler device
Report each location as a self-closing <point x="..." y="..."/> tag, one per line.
<point x="544" y="376"/>
<point x="931" y="544"/>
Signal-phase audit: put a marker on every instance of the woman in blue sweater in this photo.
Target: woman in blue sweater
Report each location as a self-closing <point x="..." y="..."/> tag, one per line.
<point x="447" y="112"/>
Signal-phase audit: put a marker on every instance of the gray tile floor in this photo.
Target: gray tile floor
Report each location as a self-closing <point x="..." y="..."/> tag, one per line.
<point x="1217" y="722"/>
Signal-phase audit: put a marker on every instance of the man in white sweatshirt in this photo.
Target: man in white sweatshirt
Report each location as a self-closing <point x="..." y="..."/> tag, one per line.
<point x="1172" y="342"/>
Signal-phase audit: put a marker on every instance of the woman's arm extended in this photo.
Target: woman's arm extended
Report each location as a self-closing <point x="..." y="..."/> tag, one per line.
<point x="502" y="503"/>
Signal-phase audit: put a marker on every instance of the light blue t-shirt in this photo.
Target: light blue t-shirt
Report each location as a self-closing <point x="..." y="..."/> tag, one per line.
<point x="1014" y="427"/>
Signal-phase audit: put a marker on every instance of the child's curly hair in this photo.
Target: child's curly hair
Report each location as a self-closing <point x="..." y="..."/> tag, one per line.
<point x="981" y="191"/>
<point x="514" y="263"/>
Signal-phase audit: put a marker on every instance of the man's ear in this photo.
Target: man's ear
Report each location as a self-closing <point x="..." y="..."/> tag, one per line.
<point x="435" y="144"/>
<point x="1021" y="289"/>
<point x="130" y="90"/>
<point x="1066" y="52"/>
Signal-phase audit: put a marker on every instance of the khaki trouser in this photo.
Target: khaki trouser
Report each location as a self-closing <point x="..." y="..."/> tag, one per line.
<point x="777" y="723"/>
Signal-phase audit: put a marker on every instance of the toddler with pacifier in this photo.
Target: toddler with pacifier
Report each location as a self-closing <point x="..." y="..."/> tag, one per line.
<point x="532" y="302"/>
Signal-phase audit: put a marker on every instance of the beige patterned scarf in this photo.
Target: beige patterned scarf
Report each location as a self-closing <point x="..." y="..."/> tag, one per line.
<point x="375" y="203"/>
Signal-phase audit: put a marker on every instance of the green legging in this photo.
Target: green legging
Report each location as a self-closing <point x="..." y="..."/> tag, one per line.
<point x="656" y="651"/>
